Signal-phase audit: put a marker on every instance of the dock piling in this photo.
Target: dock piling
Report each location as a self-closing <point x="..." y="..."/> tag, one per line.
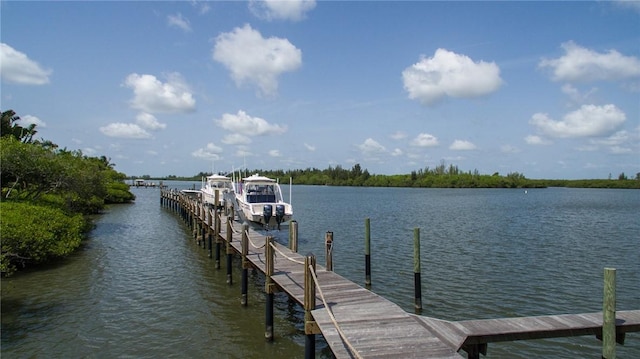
<point x="245" y="265"/>
<point x="293" y="236"/>
<point x="609" y="314"/>
<point x="229" y="251"/>
<point x="269" y="287"/>
<point x="209" y="233"/>
<point x="416" y="271"/>
<point x="328" y="250"/>
<point x="216" y="235"/>
<point x="310" y="326"/>
<point x="367" y="252"/>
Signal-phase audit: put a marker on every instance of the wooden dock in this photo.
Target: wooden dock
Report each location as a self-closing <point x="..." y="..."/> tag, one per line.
<point x="357" y="323"/>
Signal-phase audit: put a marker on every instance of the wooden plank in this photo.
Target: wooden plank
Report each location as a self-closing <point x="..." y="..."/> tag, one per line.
<point x="523" y="328"/>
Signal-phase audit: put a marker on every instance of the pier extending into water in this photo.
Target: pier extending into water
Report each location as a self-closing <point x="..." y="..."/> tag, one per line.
<point x="357" y="323"/>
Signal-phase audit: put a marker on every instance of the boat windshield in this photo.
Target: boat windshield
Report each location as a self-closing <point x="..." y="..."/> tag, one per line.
<point x="262" y="193"/>
<point x="218" y="184"/>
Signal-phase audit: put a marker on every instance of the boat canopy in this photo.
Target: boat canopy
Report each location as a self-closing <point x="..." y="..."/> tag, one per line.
<point x="260" y="189"/>
<point x="258" y="178"/>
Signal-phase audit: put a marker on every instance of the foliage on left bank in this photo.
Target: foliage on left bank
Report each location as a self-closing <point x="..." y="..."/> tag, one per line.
<point x="47" y="195"/>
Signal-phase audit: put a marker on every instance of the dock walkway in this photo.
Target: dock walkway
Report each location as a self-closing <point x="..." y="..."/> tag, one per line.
<point x="357" y="323"/>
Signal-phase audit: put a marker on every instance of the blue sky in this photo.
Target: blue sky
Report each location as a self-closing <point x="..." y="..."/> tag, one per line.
<point x="547" y="89"/>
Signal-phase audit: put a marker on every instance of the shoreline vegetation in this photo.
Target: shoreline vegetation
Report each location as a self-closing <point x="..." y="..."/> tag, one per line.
<point x="48" y="196"/>
<point x="442" y="176"/>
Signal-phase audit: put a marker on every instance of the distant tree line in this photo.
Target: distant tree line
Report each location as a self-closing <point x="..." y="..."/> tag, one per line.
<point x="441" y="176"/>
<point x="47" y="194"/>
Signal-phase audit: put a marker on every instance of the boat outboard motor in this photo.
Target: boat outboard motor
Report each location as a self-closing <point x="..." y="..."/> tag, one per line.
<point x="267" y="211"/>
<point x="279" y="214"/>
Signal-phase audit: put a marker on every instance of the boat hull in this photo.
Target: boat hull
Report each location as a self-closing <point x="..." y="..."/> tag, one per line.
<point x="254" y="212"/>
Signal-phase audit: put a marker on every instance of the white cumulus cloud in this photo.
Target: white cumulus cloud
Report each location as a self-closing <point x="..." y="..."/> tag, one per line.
<point x="371" y="146"/>
<point x="236" y="139"/>
<point x="149" y="122"/>
<point x="31" y="120"/>
<point x="124" y="130"/>
<point x="425" y="140"/>
<point x="294" y="10"/>
<point x="152" y="95"/>
<point x="462" y="145"/>
<point x="254" y="59"/>
<point x="18" y="68"/>
<point x="580" y="64"/>
<point x="587" y="121"/>
<point x="246" y="125"/>
<point x="450" y="74"/>
<point x="621" y="142"/>
<point x="210" y="151"/>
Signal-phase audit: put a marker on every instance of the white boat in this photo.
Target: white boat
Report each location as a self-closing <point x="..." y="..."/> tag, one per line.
<point x="260" y="200"/>
<point x="212" y="183"/>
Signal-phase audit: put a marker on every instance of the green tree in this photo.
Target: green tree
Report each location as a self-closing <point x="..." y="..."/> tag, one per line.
<point x="35" y="234"/>
<point x="10" y="127"/>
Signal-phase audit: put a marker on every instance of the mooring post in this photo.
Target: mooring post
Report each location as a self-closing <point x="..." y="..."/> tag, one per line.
<point x="216" y="196"/>
<point x="229" y="251"/>
<point x="245" y="265"/>
<point x="203" y="225"/>
<point x="216" y="235"/>
<point x="328" y="252"/>
<point x="210" y="232"/>
<point x="310" y="326"/>
<point x="194" y="220"/>
<point x="609" y="314"/>
<point x="416" y="270"/>
<point x="367" y="252"/>
<point x="269" y="287"/>
<point x="293" y="236"/>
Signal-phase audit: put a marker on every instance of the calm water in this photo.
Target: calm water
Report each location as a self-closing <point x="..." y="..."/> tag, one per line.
<point x="140" y="287"/>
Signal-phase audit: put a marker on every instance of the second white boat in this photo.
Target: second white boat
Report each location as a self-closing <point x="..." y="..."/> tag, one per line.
<point x="260" y="200"/>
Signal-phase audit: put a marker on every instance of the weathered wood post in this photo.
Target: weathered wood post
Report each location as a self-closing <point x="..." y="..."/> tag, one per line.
<point x="269" y="287"/>
<point x="293" y="236"/>
<point x="229" y="251"/>
<point x="310" y="326"/>
<point x="216" y="235"/>
<point x="609" y="314"/>
<point x="417" y="282"/>
<point x="203" y="225"/>
<point x="216" y="196"/>
<point x="210" y="232"/>
<point x="245" y="265"/>
<point x="328" y="252"/>
<point x="367" y="252"/>
<point x="194" y="220"/>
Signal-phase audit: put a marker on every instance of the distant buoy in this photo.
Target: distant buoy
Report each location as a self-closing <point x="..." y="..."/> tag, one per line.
<point x="525" y="191"/>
